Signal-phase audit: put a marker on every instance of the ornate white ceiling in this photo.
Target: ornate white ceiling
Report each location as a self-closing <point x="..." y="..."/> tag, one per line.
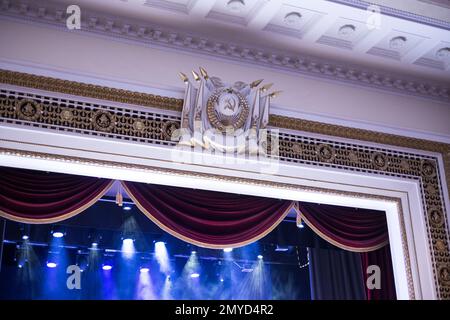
<point x="409" y="49"/>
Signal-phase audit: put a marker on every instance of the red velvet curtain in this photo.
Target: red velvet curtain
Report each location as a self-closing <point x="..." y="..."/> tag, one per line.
<point x="347" y="228"/>
<point x="207" y="218"/>
<point x="363" y="231"/>
<point x="31" y="196"/>
<point x="381" y="258"/>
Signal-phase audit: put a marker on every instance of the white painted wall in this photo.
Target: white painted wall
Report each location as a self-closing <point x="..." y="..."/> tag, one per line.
<point x="75" y="55"/>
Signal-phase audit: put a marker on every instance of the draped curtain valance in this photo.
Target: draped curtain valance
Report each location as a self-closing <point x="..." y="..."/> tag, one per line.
<point x="207" y="218"/>
<point x="31" y="196"/>
<point x="346" y="228"/>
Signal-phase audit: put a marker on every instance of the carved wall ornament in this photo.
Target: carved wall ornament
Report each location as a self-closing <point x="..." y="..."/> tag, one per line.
<point x="28" y="109"/>
<point x="325" y="152"/>
<point x="139" y="125"/>
<point x="66" y="114"/>
<point x="380" y="161"/>
<point x="169" y="128"/>
<point x="436" y="217"/>
<point x="444" y="274"/>
<point x="404" y="164"/>
<point x="441" y="246"/>
<point x="431" y="189"/>
<point x="103" y="120"/>
<point x="428" y="169"/>
<point x="353" y="157"/>
<point x="297" y="148"/>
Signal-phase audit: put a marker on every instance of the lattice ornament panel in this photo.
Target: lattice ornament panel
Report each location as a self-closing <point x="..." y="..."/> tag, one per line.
<point x="76" y="117"/>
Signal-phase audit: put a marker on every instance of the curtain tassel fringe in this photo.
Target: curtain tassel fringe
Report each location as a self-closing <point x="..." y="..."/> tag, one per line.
<point x="119" y="199"/>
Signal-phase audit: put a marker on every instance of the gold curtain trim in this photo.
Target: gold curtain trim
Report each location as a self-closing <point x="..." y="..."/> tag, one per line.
<point x="199" y="243"/>
<point x="339" y="245"/>
<point x="59" y="218"/>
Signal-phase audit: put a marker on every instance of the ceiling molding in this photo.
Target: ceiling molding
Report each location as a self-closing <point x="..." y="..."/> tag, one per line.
<point x="397" y="13"/>
<point x="152" y="35"/>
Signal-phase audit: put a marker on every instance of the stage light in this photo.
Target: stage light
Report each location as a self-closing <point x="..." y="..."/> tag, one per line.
<point x="301" y="226"/>
<point x="94" y="245"/>
<point x="128" y="248"/>
<point x="145" y="286"/>
<point x="162" y="256"/>
<point x="51" y="264"/>
<point x="25" y="237"/>
<point x="127" y="208"/>
<point x="195" y="275"/>
<point x="58" y="234"/>
<point x="193" y="252"/>
<point x="107" y="267"/>
<point x="221" y="280"/>
<point x="227" y="249"/>
<point x="260" y="256"/>
<point x="280" y="248"/>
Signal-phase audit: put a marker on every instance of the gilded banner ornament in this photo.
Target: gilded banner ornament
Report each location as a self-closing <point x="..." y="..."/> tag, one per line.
<point x="225" y="117"/>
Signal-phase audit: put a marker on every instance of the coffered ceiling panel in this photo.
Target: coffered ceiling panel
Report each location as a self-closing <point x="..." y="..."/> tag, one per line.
<point x="438" y="57"/>
<point x="293" y="21"/>
<point x="235" y="11"/>
<point x="396" y="44"/>
<point x="345" y="33"/>
<point x="181" y="6"/>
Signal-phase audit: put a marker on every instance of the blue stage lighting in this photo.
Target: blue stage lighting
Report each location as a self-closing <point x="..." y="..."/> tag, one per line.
<point x="260" y="256"/>
<point x="162" y="256"/>
<point x="25" y="237"/>
<point x="58" y="234"/>
<point x="195" y="275"/>
<point x="127" y="208"/>
<point x="128" y="249"/>
<point x="227" y="249"/>
<point x="281" y="248"/>
<point x="144" y="270"/>
<point x="107" y="267"/>
<point x="51" y="264"/>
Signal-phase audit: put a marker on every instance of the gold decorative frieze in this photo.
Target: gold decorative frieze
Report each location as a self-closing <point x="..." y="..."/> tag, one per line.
<point x="87" y="118"/>
<point x="89" y="90"/>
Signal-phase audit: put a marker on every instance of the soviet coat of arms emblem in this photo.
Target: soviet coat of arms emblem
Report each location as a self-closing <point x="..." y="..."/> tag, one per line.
<point x="224" y="117"/>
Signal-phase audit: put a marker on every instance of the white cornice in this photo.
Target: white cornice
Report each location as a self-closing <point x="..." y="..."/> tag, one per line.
<point x="152" y="35"/>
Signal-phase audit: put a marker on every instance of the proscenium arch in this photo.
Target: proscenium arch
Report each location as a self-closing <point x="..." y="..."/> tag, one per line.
<point x="413" y="280"/>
